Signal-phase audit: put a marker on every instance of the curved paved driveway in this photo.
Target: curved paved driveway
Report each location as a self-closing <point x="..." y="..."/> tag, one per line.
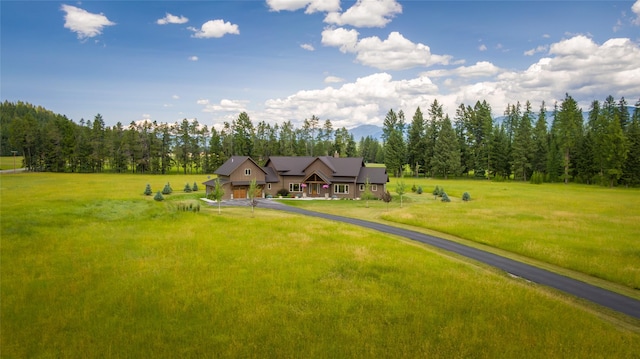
<point x="603" y="297"/>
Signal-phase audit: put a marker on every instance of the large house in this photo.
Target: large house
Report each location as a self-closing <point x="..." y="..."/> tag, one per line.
<point x="322" y="176"/>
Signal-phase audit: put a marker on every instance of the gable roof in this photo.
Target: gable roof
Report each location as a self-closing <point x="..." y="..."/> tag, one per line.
<point x="376" y="175"/>
<point x="290" y="166"/>
<point x="233" y="163"/>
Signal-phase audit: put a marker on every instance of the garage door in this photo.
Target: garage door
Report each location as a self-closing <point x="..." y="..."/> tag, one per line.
<point x="239" y="193"/>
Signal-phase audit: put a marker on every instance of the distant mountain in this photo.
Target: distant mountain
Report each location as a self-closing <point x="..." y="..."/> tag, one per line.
<point x="366" y="130"/>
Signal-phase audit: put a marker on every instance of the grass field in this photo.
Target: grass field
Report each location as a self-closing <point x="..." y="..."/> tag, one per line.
<point x="588" y="229"/>
<point x="93" y="268"/>
<point x="7" y="163"/>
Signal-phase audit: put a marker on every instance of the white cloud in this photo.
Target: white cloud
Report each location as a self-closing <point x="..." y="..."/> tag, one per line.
<point x="394" y="53"/>
<point x="175" y="97"/>
<point x="366" y="13"/>
<point x="479" y="69"/>
<point x="578" y="66"/>
<point x="307" y="47"/>
<point x="84" y="23"/>
<point x="215" y="28"/>
<point x="364" y="101"/>
<point x="193" y="58"/>
<point x="311" y="5"/>
<point x="541" y="48"/>
<point x="482" y="47"/>
<point x="636" y="10"/>
<point x="333" y="79"/>
<point x="546" y="36"/>
<point x="225" y="105"/>
<point x="172" y="19"/>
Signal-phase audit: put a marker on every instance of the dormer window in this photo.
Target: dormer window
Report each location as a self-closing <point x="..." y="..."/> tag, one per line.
<point x="247" y="171"/>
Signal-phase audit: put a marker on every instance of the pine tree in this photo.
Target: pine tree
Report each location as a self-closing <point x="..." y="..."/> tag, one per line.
<point x="446" y="158"/>
<point x="541" y="142"/>
<point x="416" y="146"/>
<point x="631" y="171"/>
<point x="394" y="144"/>
<point x="568" y="132"/>
<point x="148" y="191"/>
<point x="523" y="147"/>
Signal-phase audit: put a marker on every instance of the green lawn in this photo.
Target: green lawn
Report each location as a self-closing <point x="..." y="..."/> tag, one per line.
<point x="588" y="229"/>
<point x="93" y="268"/>
<point x="7" y="162"/>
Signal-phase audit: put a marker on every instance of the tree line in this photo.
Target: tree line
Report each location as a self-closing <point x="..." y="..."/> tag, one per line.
<point x="553" y="145"/>
<point x="52" y="142"/>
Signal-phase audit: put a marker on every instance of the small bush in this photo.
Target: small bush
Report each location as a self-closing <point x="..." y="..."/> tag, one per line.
<point x="445" y="198"/>
<point x="187" y="188"/>
<point x="499" y="178"/>
<point x="167" y="189"/>
<point x="414" y="189"/>
<point x="283" y="192"/>
<point x="419" y="190"/>
<point x="158" y="197"/>
<point x="537" y="177"/>
<point x="194" y="188"/>
<point x="148" y="191"/>
<point x="436" y="191"/>
<point x="466" y="197"/>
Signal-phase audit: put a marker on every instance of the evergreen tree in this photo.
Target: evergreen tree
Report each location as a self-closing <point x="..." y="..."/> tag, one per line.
<point x="568" y="132"/>
<point x="446" y="158"/>
<point x="147" y="190"/>
<point x="631" y="171"/>
<point x="540" y="141"/>
<point x="243" y="135"/>
<point x="394" y="143"/>
<point x="416" y="145"/>
<point x="523" y="147"/>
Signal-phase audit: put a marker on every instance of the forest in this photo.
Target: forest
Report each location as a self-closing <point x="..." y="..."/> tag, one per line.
<point x="559" y="144"/>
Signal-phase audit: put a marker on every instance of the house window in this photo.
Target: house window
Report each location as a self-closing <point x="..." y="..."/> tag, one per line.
<point x="341" y="188"/>
<point x="247" y="171"/>
<point x="374" y="187"/>
<point x="268" y="185"/>
<point x="295" y="187"/>
<point x="361" y="188"/>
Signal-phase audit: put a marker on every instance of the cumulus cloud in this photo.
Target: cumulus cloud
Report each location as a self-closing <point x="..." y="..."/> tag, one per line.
<point x="364" y="101"/>
<point x="366" y="13"/>
<point x="577" y="65"/>
<point x="225" y="105"/>
<point x="172" y="19"/>
<point x="175" y="97"/>
<point x="635" y="8"/>
<point x="84" y="23"/>
<point x="311" y="6"/>
<point x="215" y="29"/>
<point x="482" y="47"/>
<point x="307" y="47"/>
<point x="479" y="69"/>
<point x="333" y="79"/>
<point x="541" y="48"/>
<point x="193" y="58"/>
<point x="394" y="53"/>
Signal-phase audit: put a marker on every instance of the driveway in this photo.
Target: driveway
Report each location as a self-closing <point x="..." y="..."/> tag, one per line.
<point x="603" y="297"/>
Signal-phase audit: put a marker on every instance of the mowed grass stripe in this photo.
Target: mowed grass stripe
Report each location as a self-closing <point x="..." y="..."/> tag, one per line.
<point x="163" y="283"/>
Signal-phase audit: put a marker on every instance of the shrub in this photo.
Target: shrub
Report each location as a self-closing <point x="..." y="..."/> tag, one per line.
<point x="499" y="178"/>
<point x="537" y="177"/>
<point x="167" y="189"/>
<point x="414" y="189"/>
<point x="148" y="191"/>
<point x="194" y="188"/>
<point x="187" y="188"/>
<point x="436" y="191"/>
<point x="466" y="197"/>
<point x="445" y="198"/>
<point x="158" y="197"/>
<point x="283" y="192"/>
<point x="419" y="190"/>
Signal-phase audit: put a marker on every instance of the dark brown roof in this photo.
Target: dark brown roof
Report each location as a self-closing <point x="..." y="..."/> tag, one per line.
<point x="290" y="166"/>
<point x="233" y="163"/>
<point x="376" y="175"/>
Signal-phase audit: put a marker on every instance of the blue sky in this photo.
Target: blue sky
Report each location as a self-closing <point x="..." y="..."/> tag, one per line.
<point x="279" y="60"/>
